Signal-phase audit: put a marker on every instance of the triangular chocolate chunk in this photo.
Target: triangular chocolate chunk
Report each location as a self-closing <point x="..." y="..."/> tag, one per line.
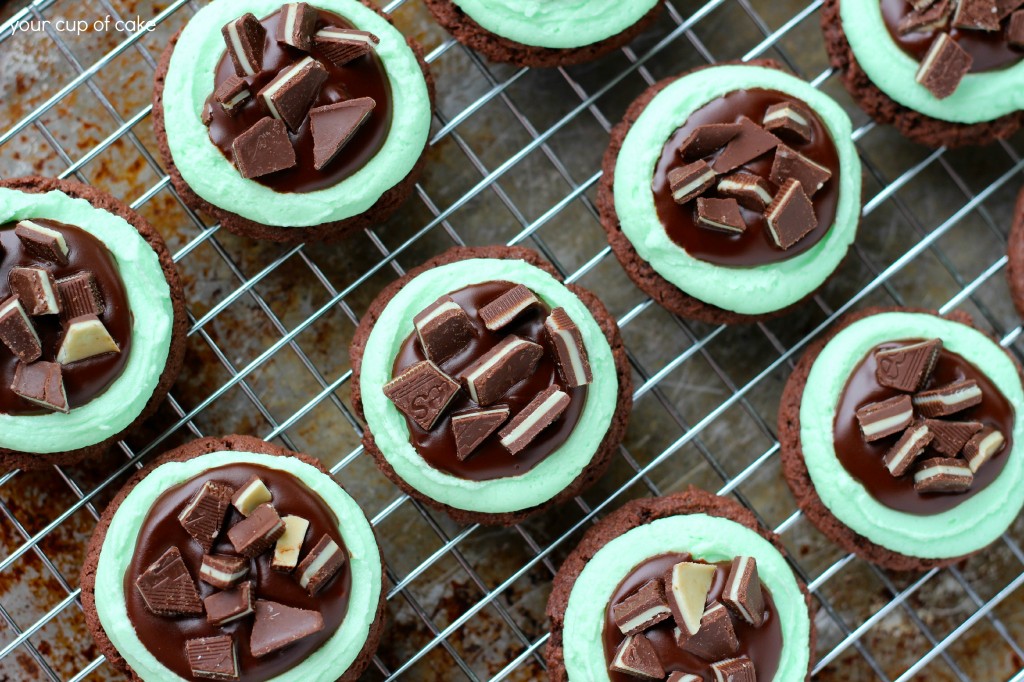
<point x="334" y="125"/>
<point x="907" y="368"/>
<point x="636" y="656"/>
<point x="751" y="142"/>
<point x="951" y="437"/>
<point x="276" y="626"/>
<point x="472" y="427"/>
<point x="167" y="588"/>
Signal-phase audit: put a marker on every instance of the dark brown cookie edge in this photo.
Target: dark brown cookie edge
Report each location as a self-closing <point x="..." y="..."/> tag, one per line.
<point x="1015" y="253"/>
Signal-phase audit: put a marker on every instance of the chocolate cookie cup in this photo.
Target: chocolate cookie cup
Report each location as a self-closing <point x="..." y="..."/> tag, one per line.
<point x="900" y="439"/>
<point x="174" y="569"/>
<point x="949" y="82"/>
<point x="92" y="321"/>
<point x="657" y="568"/>
<point x="526" y="402"/>
<point x="544" y="34"/>
<point x="731" y="193"/>
<point x="309" y="136"/>
<point x="1015" y="267"/>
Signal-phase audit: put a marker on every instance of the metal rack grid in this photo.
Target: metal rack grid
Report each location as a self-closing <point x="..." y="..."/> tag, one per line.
<point x="514" y="158"/>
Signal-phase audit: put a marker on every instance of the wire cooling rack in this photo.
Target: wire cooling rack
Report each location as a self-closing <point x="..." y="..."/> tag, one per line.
<point x="514" y="158"/>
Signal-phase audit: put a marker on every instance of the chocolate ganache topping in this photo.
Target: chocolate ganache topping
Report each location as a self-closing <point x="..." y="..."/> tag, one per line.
<point x="751" y="178"/>
<point x="678" y="617"/>
<point x="491" y="382"/>
<point x="238" y="574"/>
<point x="921" y="427"/>
<point x="65" y="323"/>
<point x="301" y="99"/>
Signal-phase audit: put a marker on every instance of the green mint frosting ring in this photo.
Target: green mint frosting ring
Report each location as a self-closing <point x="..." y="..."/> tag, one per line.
<point x="980" y="97"/>
<point x="149" y="299"/>
<point x="709" y="538"/>
<point x="190" y="80"/>
<point x="389" y="427"/>
<point x="559" y="25"/>
<point x="971" y="525"/>
<point x="746" y="290"/>
<point x="326" y="663"/>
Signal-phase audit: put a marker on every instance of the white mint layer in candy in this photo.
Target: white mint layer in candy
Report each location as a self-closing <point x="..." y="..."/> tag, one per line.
<point x="279" y="82"/>
<point x="46" y="232"/>
<point x="688" y="593"/>
<point x="288" y="546"/>
<point x="326" y="555"/>
<point x="251" y="495"/>
<point x="85" y="337"/>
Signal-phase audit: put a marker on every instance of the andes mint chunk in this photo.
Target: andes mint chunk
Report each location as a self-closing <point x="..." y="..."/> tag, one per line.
<point x="79" y="295"/>
<point x="257" y="532"/>
<point x="790" y="121"/>
<point x="321" y="564"/>
<point x="276" y="626"/>
<point x="944" y="66"/>
<point x="297" y="25"/>
<point x="683" y="677"/>
<point x="203" y="516"/>
<point x="422" y="393"/>
<point x="250" y="495"/>
<point x="636" y="656"/>
<point x="1005" y="8"/>
<point x="734" y="670"/>
<point x="288" y="546"/>
<point x="951" y="437"/>
<point x="230" y="605"/>
<point x="943" y="475"/>
<point x="907" y="368"/>
<point x="17" y="332"/>
<point x="742" y="592"/>
<point x="751" y="191"/>
<point x="570" y="353"/>
<point x="443" y="329"/>
<point x="334" y="125"/>
<point x="690" y="181"/>
<point x="982" y="447"/>
<point x="36" y="289"/>
<point x="720" y="215"/>
<point x="539" y="413"/>
<point x="472" y="427"/>
<point x="934" y="17"/>
<point x="1015" y="30"/>
<point x="789" y="163"/>
<point x="244" y="38"/>
<point x="291" y="93"/>
<point x="949" y="399"/>
<point x="213" y="658"/>
<point x="716" y="638"/>
<point x="790" y="216"/>
<point x="686" y="588"/>
<point x="223" y="570"/>
<point x="503" y="310"/>
<point x="41" y="383"/>
<point x="908" y="448"/>
<point x="881" y="419"/>
<point x="44" y="243"/>
<point x="751" y="142"/>
<point x="85" y="337"/>
<point x="263" y="149"/>
<point x="167" y="588"/>
<point x="976" y="15"/>
<point x="708" y="139"/>
<point x="643" y="609"/>
<point x="232" y="94"/>
<point x="501" y="368"/>
<point x="342" y="45"/>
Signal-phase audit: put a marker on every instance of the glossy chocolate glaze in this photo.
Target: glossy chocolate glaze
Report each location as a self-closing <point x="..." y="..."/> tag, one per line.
<point x="988" y="48"/>
<point x="863" y="460"/>
<point x="165" y="637"/>
<point x="362" y="77"/>
<point x="86" y="379"/>
<point x="755" y="245"/>
<point x="763" y="645"/>
<point x="491" y="460"/>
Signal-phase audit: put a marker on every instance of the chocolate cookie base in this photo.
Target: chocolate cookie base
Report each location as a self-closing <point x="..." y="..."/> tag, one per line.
<point x="915" y="126"/>
<point x="11" y="459"/>
<point x="645" y="277"/>
<point x="631" y="515"/>
<point x="795" y="469"/>
<point x="499" y="49"/>
<point x="1015" y="269"/>
<point x="384" y="208"/>
<point x="186" y="452"/>
<point x="616" y="430"/>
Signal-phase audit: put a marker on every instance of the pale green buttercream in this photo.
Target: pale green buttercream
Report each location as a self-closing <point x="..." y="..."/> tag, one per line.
<point x="970" y="525"/>
<point x="326" y="663"/>
<point x="391" y="432"/>
<point x="149" y="298"/>
<point x="190" y="79"/>
<point x="560" y="25"/>
<point x="708" y="538"/>
<point x="980" y="97"/>
<point x="747" y="290"/>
